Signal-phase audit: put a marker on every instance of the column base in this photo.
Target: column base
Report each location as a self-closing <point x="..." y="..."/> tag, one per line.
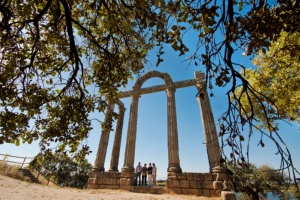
<point x="174" y="168"/>
<point x="98" y="169"/>
<point x="113" y="170"/>
<point x="127" y="169"/>
<point x="218" y="170"/>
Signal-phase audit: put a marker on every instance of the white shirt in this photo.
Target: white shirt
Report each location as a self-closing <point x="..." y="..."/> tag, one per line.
<point x="138" y="168"/>
<point x="154" y="170"/>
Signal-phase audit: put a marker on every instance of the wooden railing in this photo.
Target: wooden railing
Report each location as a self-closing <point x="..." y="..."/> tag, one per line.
<point x="16" y="160"/>
<point x="24" y="162"/>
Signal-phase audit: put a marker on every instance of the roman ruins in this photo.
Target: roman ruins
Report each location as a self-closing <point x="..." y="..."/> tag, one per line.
<point x="213" y="183"/>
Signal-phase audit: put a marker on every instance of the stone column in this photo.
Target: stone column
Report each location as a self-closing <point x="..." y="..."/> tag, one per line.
<point x="102" y="148"/>
<point x="131" y="135"/>
<point x="173" y="148"/>
<point x="114" y="162"/>
<point x="209" y="127"/>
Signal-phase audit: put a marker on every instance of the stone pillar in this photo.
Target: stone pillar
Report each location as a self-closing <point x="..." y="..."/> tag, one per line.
<point x="114" y="162"/>
<point x="102" y="148"/>
<point x="131" y="135"/>
<point x="173" y="148"/>
<point x="209" y="127"/>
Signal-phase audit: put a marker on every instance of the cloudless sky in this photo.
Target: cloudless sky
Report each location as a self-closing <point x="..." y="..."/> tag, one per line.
<point x="151" y="143"/>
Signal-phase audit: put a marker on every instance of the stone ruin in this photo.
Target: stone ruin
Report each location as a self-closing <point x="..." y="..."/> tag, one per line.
<point x="211" y="184"/>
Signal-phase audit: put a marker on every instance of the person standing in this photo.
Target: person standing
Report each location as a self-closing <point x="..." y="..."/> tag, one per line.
<point x="144" y="175"/>
<point x="138" y="172"/>
<point x="150" y="174"/>
<point x="154" y="172"/>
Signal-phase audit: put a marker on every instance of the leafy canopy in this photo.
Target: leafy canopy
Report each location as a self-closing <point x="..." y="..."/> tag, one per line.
<point x="59" y="58"/>
<point x="254" y="181"/>
<point x="276" y="80"/>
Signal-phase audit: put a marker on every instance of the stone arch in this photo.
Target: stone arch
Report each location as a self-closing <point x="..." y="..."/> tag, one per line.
<point x="153" y="74"/>
<point x="173" y="147"/>
<point x="202" y="184"/>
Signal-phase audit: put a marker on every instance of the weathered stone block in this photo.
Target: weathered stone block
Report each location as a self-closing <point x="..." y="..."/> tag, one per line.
<point x="218" y="185"/>
<point x="100" y="174"/>
<point x="214" y="193"/>
<point x="221" y="177"/>
<point x="114" y="187"/>
<point x="92" y="180"/>
<point x="92" y="174"/>
<point x="227" y="185"/>
<point x="215" y="176"/>
<point x="208" y="185"/>
<point x="106" y="181"/>
<point x="182" y="176"/>
<point x="106" y="174"/>
<point x="127" y="187"/>
<point x="184" y="183"/>
<point x="175" y="183"/>
<point x="169" y="183"/>
<point x="191" y="191"/>
<point x="195" y="184"/>
<point x="208" y="176"/>
<point x="131" y="181"/>
<point x="116" y="181"/>
<point x="93" y="186"/>
<point x="114" y="175"/>
<point x="172" y="177"/>
<point x="190" y="176"/>
<point x="127" y="175"/>
<point x="123" y="181"/>
<point x="175" y="190"/>
<point x="172" y="174"/>
<point x="205" y="192"/>
<point x="198" y="176"/>
<point x="228" y="195"/>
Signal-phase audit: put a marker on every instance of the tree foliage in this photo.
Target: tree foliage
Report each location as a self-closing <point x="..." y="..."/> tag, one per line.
<point x="54" y="53"/>
<point x="254" y="181"/>
<point x="63" y="170"/>
<point x="277" y="78"/>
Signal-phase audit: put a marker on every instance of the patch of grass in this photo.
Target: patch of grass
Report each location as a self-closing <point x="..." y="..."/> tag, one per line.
<point x="161" y="183"/>
<point x="12" y="171"/>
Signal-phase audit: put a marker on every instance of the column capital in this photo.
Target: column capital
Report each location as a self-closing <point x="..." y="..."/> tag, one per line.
<point x="199" y="75"/>
<point x="171" y="89"/>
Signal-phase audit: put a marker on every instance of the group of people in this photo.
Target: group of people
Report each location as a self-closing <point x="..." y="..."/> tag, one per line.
<point x="144" y="172"/>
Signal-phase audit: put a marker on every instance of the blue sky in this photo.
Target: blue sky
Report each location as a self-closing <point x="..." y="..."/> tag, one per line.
<point x="151" y="143"/>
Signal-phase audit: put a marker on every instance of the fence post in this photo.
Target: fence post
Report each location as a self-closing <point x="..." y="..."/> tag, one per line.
<point x="49" y="179"/>
<point x="5" y="157"/>
<point x="23" y="162"/>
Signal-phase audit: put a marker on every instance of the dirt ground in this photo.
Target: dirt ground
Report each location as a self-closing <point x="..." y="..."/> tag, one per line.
<point x="13" y="189"/>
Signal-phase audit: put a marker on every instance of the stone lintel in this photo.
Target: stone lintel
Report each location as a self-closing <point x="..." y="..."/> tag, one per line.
<point x="158" y="88"/>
